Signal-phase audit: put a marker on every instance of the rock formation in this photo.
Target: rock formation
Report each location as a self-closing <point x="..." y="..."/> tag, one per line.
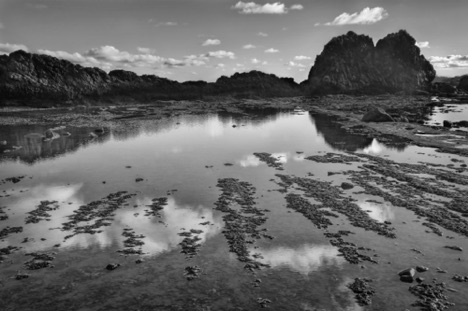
<point x="463" y="84"/>
<point x="35" y="78"/>
<point x="351" y="64"/>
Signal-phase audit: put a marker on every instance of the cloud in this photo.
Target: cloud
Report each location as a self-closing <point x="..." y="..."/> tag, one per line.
<point x="249" y="46"/>
<point x="220" y="65"/>
<point x="366" y="17"/>
<point x="271" y="50"/>
<point x="145" y="50"/>
<point x="253" y="8"/>
<point x="165" y="24"/>
<point x="423" y="45"/>
<point x="296" y="65"/>
<point x="302" y="57"/>
<point x="268" y="8"/>
<point x="221" y="54"/>
<point x="297" y="7"/>
<point x="7" y="48"/>
<point x="211" y="42"/>
<point x="262" y="34"/>
<point x="255" y="61"/>
<point x="451" y="61"/>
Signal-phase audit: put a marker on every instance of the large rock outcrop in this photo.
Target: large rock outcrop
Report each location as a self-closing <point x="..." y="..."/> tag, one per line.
<point x="351" y="64"/>
<point x="32" y="76"/>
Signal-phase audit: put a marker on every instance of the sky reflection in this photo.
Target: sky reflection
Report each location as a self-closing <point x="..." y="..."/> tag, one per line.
<point x="303" y="259"/>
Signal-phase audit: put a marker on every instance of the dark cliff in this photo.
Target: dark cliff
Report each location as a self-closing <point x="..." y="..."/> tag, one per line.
<point x="33" y="79"/>
<point x="351" y="64"/>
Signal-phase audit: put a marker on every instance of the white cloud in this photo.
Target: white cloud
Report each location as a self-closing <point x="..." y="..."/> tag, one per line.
<point x="262" y="34"/>
<point x="166" y="24"/>
<point x="249" y="46"/>
<point x="271" y="50"/>
<point x="253" y="8"/>
<point x="423" y="45"/>
<point x="255" y="61"/>
<point x="297" y="7"/>
<point x="302" y="57"/>
<point x="221" y="54"/>
<point x="145" y="50"/>
<point x="366" y="17"/>
<point x="451" y="61"/>
<point x="220" y="65"/>
<point x="211" y="42"/>
<point x="296" y="65"/>
<point x="7" y="48"/>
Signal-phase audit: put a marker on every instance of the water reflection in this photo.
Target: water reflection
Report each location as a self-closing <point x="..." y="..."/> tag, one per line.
<point x="304" y="259"/>
<point x="161" y="234"/>
<point x="339" y="139"/>
<point x="378" y="211"/>
<point x="336" y="137"/>
<point x="282" y="157"/>
<point x="374" y="148"/>
<point x="27" y="144"/>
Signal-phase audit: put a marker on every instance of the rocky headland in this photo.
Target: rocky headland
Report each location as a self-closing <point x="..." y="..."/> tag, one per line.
<point x="352" y="64"/>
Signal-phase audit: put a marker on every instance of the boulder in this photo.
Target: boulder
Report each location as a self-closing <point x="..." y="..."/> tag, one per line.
<point x="347" y="185"/>
<point x="351" y="64"/>
<point x="377" y="114"/>
<point x="447" y="123"/>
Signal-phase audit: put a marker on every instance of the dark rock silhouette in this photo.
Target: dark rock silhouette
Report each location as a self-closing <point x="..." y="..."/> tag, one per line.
<point x="35" y="78"/>
<point x="463" y="84"/>
<point x="377" y="114"/>
<point x="351" y="64"/>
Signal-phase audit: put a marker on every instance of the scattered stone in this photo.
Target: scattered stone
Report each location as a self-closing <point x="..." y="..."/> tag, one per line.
<point x="155" y="207"/>
<point x="269" y="160"/>
<point x="9" y="230"/>
<point x="192" y="272"/>
<point x="20" y="276"/>
<point x="39" y="261"/>
<point x="460" y="278"/>
<point x="139" y="179"/>
<point x="41" y="212"/>
<point x="346" y="186"/>
<point x="132" y="243"/>
<point x="112" y="266"/>
<point x="139" y="260"/>
<point x="263" y="302"/>
<point x="456" y="248"/>
<point x="407" y="275"/>
<point x="419" y="279"/>
<point x="422" y="269"/>
<point x="363" y="290"/>
<point x="431" y="297"/>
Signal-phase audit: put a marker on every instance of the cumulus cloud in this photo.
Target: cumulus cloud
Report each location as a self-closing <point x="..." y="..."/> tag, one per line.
<point x="297" y="7"/>
<point x="164" y="24"/>
<point x="262" y="34"/>
<point x="255" y="61"/>
<point x="253" y="8"/>
<point x="296" y="65"/>
<point x="145" y="50"/>
<point x="268" y="8"/>
<point x="221" y="54"/>
<point x="423" y="45"/>
<point x="211" y="42"/>
<point x="249" y="46"/>
<point x="302" y="57"/>
<point x="366" y="17"/>
<point x="7" y="48"/>
<point x="271" y="50"/>
<point x="451" y="61"/>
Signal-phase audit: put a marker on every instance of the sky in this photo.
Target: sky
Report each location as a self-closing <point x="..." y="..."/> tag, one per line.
<point x="205" y="39"/>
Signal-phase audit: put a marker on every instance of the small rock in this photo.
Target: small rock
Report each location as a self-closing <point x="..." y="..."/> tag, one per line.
<point x="456" y="248"/>
<point x="419" y="279"/>
<point x="346" y="186"/>
<point x="376" y="114"/>
<point x="447" y="124"/>
<point x="421" y="269"/>
<point x="112" y="266"/>
<point x="139" y="260"/>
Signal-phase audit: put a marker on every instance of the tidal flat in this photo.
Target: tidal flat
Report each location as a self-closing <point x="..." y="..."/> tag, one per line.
<point x="284" y="204"/>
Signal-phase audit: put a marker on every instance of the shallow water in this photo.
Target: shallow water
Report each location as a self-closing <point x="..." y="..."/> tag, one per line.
<point x="452" y="111"/>
<point x="182" y="159"/>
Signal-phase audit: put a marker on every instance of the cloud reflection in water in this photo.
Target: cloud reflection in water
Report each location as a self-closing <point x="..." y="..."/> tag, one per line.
<point x="304" y="259"/>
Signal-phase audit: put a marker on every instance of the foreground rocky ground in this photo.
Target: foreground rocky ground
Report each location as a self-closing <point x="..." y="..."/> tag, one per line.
<point x="432" y="196"/>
